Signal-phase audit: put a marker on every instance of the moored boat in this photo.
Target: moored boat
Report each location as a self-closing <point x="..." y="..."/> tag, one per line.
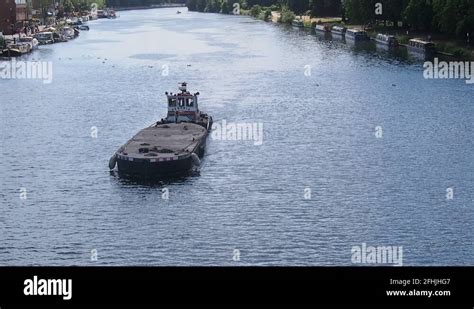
<point x="101" y="14"/>
<point x="68" y="33"/>
<point x="298" y="23"/>
<point x="173" y="145"/>
<point x="45" y="37"/>
<point x="322" y="28"/>
<point x="338" y="30"/>
<point x="385" y="39"/>
<point x="31" y="41"/>
<point x="82" y="28"/>
<point x="421" y="47"/>
<point x="17" y="49"/>
<point x="356" y="35"/>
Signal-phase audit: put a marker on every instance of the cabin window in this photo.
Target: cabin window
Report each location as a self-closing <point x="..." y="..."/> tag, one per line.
<point x="172" y="102"/>
<point x="189" y="102"/>
<point x="181" y="102"/>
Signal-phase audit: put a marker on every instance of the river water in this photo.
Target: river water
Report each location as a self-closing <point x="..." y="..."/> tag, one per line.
<point x="322" y="181"/>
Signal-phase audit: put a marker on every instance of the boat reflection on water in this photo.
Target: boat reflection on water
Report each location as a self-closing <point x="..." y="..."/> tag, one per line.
<point x="158" y="181"/>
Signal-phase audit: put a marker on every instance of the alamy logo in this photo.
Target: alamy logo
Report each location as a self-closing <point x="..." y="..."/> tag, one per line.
<point x="14" y="69"/>
<point x="392" y="255"/>
<point x="238" y="131"/>
<point x="449" y="70"/>
<point x="48" y="287"/>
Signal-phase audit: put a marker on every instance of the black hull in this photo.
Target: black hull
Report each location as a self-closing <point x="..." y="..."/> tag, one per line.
<point x="145" y="169"/>
<point x="149" y="170"/>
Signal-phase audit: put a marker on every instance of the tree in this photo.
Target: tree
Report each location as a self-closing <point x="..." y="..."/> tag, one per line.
<point x="225" y="7"/>
<point x="213" y="6"/>
<point x="201" y="5"/>
<point x="192" y="5"/>
<point x="325" y="8"/>
<point x="68" y="6"/>
<point x="298" y="6"/>
<point x="419" y="14"/>
<point x="255" y="10"/>
<point x="267" y="15"/>
<point x="360" y="11"/>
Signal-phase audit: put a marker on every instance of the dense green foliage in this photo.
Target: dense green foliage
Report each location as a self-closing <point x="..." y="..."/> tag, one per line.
<point x="446" y="16"/>
<point x="74" y="5"/>
<point x="453" y="17"/>
<point x="137" y="3"/>
<point x="317" y="7"/>
<point x="286" y="16"/>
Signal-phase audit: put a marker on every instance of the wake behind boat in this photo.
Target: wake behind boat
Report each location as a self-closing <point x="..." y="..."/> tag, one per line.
<point x="172" y="145"/>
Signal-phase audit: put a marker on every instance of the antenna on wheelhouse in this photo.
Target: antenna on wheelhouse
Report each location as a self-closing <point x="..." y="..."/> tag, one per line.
<point x="183" y="87"/>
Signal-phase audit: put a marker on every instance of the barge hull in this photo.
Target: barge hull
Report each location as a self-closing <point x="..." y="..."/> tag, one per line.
<point x="155" y="169"/>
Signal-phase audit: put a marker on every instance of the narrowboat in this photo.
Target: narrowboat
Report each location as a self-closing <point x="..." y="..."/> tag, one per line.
<point x="322" y="28"/>
<point x="31" y="41"/>
<point x="17" y="49"/>
<point x="338" y="30"/>
<point x="357" y="35"/>
<point x="298" y="23"/>
<point x="422" y="47"/>
<point x="385" y="39"/>
<point x="44" y="38"/>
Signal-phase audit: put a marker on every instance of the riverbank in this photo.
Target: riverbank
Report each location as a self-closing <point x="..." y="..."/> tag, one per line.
<point x="444" y="44"/>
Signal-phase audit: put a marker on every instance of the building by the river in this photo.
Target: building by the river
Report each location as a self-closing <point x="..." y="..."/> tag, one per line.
<point x="13" y="14"/>
<point x="7" y="16"/>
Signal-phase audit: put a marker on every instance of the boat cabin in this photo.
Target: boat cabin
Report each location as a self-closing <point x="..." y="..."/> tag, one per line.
<point x="297" y="23"/>
<point x="339" y="30"/>
<point x="356" y="34"/>
<point x="45" y="37"/>
<point x="421" y="46"/>
<point x="390" y="40"/>
<point x="322" y="28"/>
<point x="183" y="107"/>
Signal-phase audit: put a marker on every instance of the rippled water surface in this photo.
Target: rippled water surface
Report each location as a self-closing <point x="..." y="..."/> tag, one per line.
<point x="319" y="134"/>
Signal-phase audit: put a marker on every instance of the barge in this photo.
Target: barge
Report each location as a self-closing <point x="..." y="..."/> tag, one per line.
<point x="388" y="40"/>
<point x="173" y="145"/>
<point x="422" y="47"/>
<point x="339" y="30"/>
<point x="356" y="35"/>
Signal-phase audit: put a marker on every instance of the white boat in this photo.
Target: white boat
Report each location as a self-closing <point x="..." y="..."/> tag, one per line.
<point x="357" y="35"/>
<point x="386" y="39"/>
<point x="338" y="30"/>
<point x="298" y="23"/>
<point x="17" y="49"/>
<point x="322" y="28"/>
<point x="422" y="47"/>
<point x="67" y="33"/>
<point x="31" y="41"/>
<point x="45" y="37"/>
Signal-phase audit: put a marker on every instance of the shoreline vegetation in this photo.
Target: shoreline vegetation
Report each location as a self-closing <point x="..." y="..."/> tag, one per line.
<point x="447" y="23"/>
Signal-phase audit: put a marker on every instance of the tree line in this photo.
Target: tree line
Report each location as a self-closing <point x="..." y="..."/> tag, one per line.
<point x="313" y="7"/>
<point x="453" y="17"/>
<point x="139" y="3"/>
